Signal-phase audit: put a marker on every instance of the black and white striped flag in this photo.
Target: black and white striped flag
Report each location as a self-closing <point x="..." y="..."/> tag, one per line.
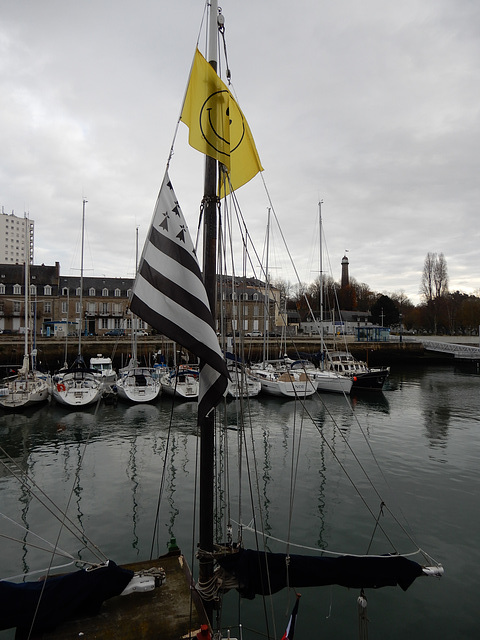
<point x="169" y="294"/>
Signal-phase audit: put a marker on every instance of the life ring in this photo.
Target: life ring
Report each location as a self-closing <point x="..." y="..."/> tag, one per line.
<point x="61" y="386"/>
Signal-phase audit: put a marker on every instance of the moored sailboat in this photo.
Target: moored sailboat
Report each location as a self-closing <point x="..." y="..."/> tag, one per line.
<point x="28" y="387"/>
<point x="138" y="384"/>
<point x="78" y="385"/>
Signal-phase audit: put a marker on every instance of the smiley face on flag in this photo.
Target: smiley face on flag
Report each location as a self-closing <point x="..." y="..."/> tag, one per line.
<point x="222" y="123"/>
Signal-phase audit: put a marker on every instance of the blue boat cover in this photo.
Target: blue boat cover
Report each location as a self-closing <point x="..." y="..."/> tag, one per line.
<point x="63" y="597"/>
<point x="260" y="573"/>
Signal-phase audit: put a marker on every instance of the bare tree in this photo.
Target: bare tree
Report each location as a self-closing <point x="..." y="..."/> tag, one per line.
<point x="426" y="288"/>
<point x="434" y="286"/>
<point x="440" y="276"/>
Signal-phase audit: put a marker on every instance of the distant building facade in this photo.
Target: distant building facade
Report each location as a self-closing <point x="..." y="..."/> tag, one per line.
<point x="246" y="304"/>
<point x="243" y="304"/>
<point x="55" y="302"/>
<point x="16" y="239"/>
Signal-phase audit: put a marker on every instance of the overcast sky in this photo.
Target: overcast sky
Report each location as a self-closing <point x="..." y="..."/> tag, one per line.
<point x="371" y="106"/>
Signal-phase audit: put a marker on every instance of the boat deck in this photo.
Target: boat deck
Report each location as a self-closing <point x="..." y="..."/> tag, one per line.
<point x="168" y="612"/>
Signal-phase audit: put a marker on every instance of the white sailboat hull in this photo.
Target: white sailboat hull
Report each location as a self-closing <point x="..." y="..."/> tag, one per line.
<point x="330" y="382"/>
<point x="242" y="384"/>
<point x="286" y="384"/>
<point x="24" y="392"/>
<point x="138" y="385"/>
<point x="77" y="389"/>
<point x="181" y="386"/>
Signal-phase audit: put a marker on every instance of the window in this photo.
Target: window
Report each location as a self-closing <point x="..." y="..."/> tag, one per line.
<point x="105" y="292"/>
<point x="17" y="289"/>
<point x="91" y="291"/>
<point x="47" y="290"/>
<point x="256" y="310"/>
<point x="47" y="307"/>
<point x="16" y="307"/>
<point x="255" y="296"/>
<point x="78" y="307"/>
<point x="91" y="308"/>
<point x="117" y="293"/>
<point x="65" y="291"/>
<point x="103" y="323"/>
<point x="64" y="306"/>
<point x="33" y="290"/>
<point x="104" y="308"/>
<point x="129" y="291"/>
<point x="2" y="288"/>
<point x="78" y="291"/>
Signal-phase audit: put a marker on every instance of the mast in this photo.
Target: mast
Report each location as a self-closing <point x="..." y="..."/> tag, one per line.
<point x="266" y="306"/>
<point x="81" y="282"/>
<point x="26" y="364"/>
<point x="133" y="359"/>
<point x="207" y="428"/>
<point x="321" y="264"/>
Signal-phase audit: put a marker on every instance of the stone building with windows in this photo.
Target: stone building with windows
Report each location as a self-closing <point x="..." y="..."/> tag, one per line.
<point x="55" y="302"/>
<point x="243" y="304"/>
<point x="43" y="292"/>
<point x="247" y="305"/>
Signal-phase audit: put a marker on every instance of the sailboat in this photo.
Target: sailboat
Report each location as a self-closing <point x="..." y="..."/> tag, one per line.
<point x="274" y="376"/>
<point x="136" y="383"/>
<point x="28" y="387"/>
<point x="173" y="295"/>
<point x="181" y="382"/>
<point x="326" y="379"/>
<point x="78" y="385"/>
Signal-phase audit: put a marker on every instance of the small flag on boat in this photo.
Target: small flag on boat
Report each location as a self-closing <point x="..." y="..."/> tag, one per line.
<point x="217" y="126"/>
<point x="290" y="630"/>
<point x="169" y="294"/>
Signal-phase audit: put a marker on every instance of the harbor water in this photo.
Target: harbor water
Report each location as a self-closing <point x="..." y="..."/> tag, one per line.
<point x="418" y="441"/>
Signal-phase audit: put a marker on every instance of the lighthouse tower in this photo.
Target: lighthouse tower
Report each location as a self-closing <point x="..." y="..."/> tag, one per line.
<point x="345" y="281"/>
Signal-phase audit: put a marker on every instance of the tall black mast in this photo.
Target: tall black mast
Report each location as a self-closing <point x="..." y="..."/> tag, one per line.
<point x="207" y="427"/>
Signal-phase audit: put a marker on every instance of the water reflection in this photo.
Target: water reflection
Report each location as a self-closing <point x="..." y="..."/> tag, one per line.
<point x="429" y="415"/>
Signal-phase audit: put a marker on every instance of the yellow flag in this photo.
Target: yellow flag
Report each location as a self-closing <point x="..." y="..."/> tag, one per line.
<point x="217" y="126"/>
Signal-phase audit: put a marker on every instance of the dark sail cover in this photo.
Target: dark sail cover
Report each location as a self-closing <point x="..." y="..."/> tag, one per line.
<point x="260" y="573"/>
<point x="63" y="597"/>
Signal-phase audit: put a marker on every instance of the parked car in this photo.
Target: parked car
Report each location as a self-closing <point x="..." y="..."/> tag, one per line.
<point x="141" y="332"/>
<point x="115" y="332"/>
<point x="254" y="334"/>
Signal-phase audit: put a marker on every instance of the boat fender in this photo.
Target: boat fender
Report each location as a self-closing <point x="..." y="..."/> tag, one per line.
<point x="139" y="584"/>
<point x="61" y="386"/>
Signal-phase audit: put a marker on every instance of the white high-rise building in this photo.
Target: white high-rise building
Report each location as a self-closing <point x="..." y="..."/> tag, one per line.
<point x="16" y="239"/>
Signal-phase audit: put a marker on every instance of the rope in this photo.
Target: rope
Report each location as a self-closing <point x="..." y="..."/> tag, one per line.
<point x="362" y="616"/>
